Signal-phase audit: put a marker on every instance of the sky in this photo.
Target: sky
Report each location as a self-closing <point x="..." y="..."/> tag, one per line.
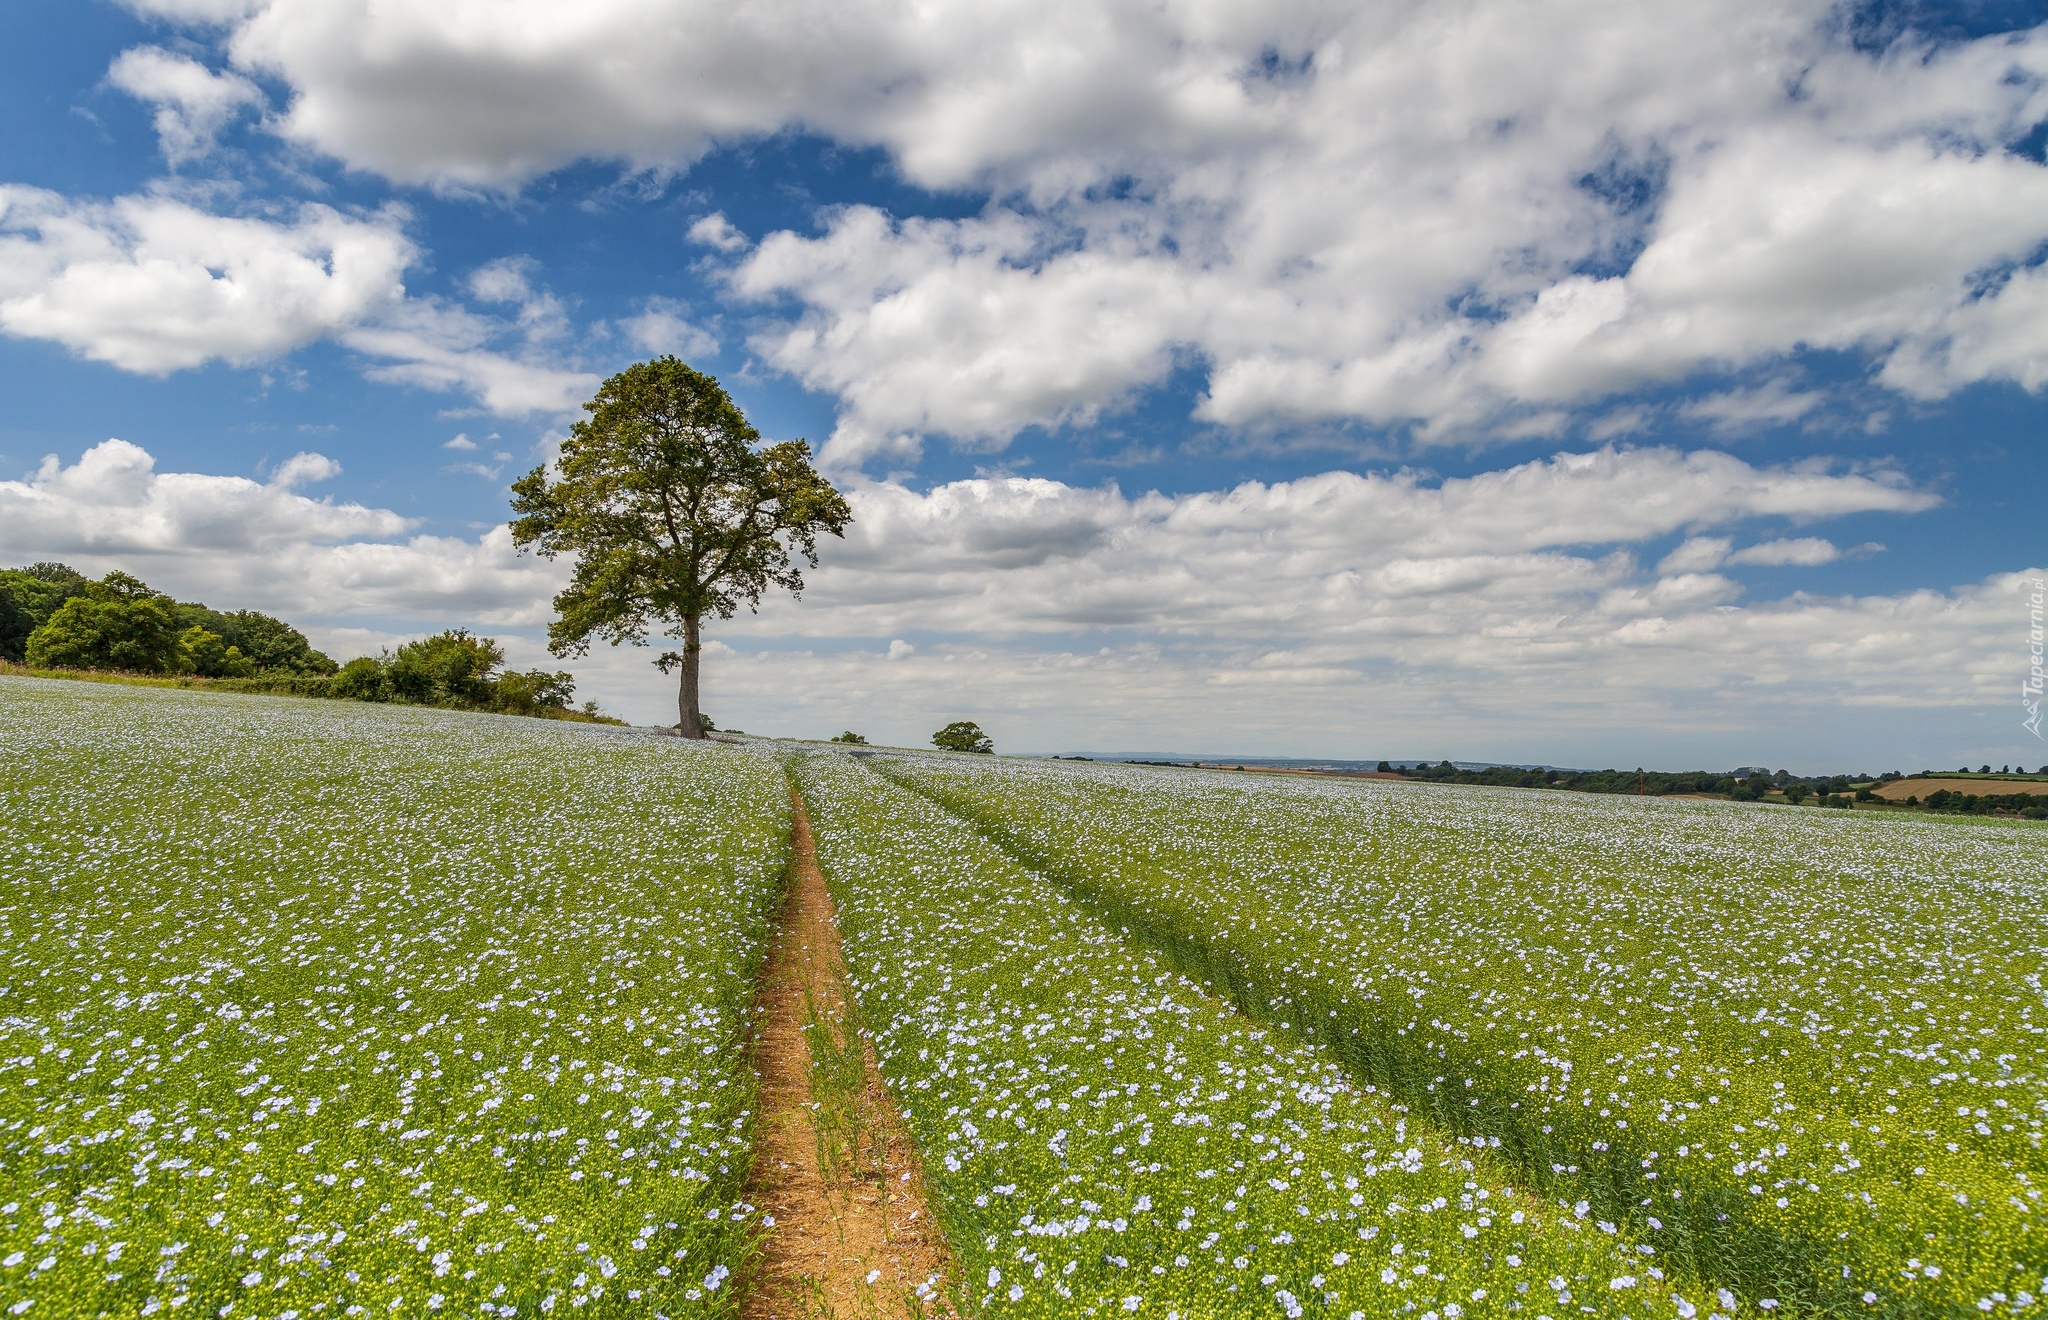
<point x="1591" y="384"/>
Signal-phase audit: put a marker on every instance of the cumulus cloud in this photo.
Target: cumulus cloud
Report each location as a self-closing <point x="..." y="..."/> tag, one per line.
<point x="1335" y="554"/>
<point x="1301" y="613"/>
<point x="1396" y="213"/>
<point x="1804" y="551"/>
<point x="154" y="285"/>
<point x="439" y="345"/>
<point x="663" y="327"/>
<point x="193" y="103"/>
<point x="715" y="231"/>
<point x="241" y="543"/>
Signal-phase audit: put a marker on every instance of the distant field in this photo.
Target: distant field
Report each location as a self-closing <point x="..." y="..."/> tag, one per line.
<point x="313" y="1007"/>
<point x="1901" y="789"/>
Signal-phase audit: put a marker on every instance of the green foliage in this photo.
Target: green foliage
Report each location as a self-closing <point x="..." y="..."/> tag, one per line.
<point x="451" y="668"/>
<point x="319" y="1008"/>
<point x="672" y="514"/>
<point x="271" y="644"/>
<point x="362" y="679"/>
<point x="533" y="693"/>
<point x="459" y="670"/>
<point x="28" y="597"/>
<point x="210" y="655"/>
<point x="110" y="629"/>
<point x="849" y="737"/>
<point x="31" y="597"/>
<point x="963" y="736"/>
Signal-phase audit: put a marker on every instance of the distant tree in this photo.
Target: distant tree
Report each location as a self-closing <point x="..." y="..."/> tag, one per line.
<point x="271" y="644"/>
<point x="849" y="737"/>
<point x="1795" y="792"/>
<point x="108" y="631"/>
<point x="963" y="736"/>
<point x="29" y="597"/>
<point x="15" y="622"/>
<point x="1985" y="770"/>
<point x="673" y="511"/>
<point x="1385" y="769"/>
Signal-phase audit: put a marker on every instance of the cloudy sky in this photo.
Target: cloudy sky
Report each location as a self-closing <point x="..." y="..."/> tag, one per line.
<point x="1590" y="382"/>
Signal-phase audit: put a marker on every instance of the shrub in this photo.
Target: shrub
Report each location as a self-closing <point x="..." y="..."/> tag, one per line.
<point x="452" y="668"/>
<point x="362" y="679"/>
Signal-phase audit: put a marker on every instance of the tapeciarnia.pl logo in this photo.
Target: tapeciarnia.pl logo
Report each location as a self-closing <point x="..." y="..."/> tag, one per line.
<point x="2030" y="691"/>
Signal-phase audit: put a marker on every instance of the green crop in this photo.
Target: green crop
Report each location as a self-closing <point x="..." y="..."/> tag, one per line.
<point x="312" y="1009"/>
<point x="1802" y="1053"/>
<point x="1101" y="1138"/>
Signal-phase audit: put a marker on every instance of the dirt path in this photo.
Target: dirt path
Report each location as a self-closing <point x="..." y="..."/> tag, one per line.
<point x="836" y="1174"/>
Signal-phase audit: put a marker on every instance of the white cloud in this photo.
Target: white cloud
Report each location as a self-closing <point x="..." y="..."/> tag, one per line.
<point x="461" y="442"/>
<point x="1804" y="551"/>
<point x="151" y="284"/>
<point x="1773" y="403"/>
<point x="1505" y="611"/>
<point x="1396" y="213"/>
<point x="304" y="470"/>
<point x="1334" y="554"/>
<point x="1697" y="554"/>
<point x="113" y="501"/>
<point x="715" y="231"/>
<point x="193" y="103"/>
<point x="441" y="346"/>
<point x="237" y="543"/>
<point x="662" y="327"/>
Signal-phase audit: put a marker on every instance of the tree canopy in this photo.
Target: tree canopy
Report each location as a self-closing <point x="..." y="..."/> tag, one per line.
<point x="963" y="736"/>
<point x="673" y="510"/>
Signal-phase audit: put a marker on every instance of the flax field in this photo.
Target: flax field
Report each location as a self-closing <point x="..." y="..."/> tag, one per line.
<point x="316" y="1009"/>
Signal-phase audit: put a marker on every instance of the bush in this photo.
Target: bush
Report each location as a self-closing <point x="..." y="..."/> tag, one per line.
<point x="452" y="668"/>
<point x="850" y="737"/>
<point x="362" y="679"/>
<point x="534" y="692"/>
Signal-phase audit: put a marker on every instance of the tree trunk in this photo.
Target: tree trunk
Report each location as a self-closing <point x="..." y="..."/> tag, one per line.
<point x="692" y="723"/>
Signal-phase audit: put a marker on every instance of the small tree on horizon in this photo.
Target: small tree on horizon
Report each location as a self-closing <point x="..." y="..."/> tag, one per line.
<point x="673" y="511"/>
<point x="963" y="736"/>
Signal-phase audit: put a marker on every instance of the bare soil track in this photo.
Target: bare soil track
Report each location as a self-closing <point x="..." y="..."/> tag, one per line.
<point x="835" y="1175"/>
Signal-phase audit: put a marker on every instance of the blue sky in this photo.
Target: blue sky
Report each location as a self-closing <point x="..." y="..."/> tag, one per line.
<point x="1691" y="406"/>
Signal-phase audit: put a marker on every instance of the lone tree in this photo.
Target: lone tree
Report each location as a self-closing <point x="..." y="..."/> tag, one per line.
<point x="673" y="510"/>
<point x="963" y="736"/>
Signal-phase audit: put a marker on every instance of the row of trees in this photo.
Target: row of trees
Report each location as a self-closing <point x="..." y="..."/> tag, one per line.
<point x="54" y="617"/>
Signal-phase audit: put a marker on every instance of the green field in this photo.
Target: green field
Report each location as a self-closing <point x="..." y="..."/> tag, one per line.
<point x="316" y="1009"/>
<point x="313" y="1006"/>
